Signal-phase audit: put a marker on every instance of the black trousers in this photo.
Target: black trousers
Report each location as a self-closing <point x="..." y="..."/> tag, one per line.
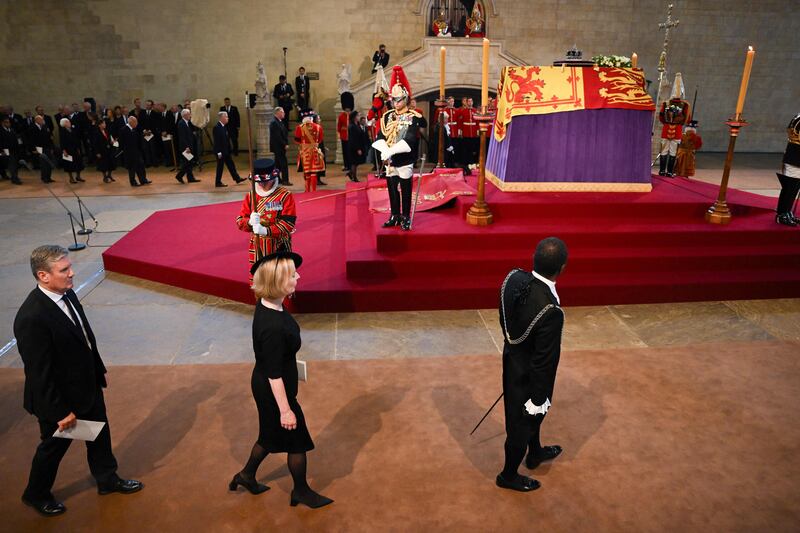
<point x="346" y="154"/>
<point x="136" y="168"/>
<point x="789" y="189"/>
<point x="167" y="151"/>
<point x="522" y="432"/>
<point x="282" y="164"/>
<point x="10" y="163"/>
<point x="102" y="463"/>
<point x="399" y="200"/>
<point x="45" y="164"/>
<point x="186" y="168"/>
<point x="226" y="162"/>
<point x="233" y="135"/>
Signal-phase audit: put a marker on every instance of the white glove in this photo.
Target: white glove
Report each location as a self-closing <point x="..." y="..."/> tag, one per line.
<point x="537" y="409"/>
<point x="258" y="229"/>
<point x="255" y="218"/>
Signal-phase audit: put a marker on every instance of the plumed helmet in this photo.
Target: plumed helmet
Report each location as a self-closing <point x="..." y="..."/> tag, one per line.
<point x="677" y="87"/>
<point x="399" y="86"/>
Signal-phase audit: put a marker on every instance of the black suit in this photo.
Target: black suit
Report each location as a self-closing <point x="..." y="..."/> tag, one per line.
<point x="63" y="374"/>
<point x="132" y="145"/>
<point x="283" y="93"/>
<point x="43" y="138"/>
<point x="222" y="150"/>
<point x="234" y="123"/>
<point x="378" y="59"/>
<point x="303" y="87"/>
<point x="149" y="121"/>
<point x="10" y="162"/>
<point x="185" y="141"/>
<point x="48" y="121"/>
<point x="529" y="366"/>
<point x="278" y="141"/>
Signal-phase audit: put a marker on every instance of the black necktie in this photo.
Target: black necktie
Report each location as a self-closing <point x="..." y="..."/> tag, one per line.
<point x="74" y="316"/>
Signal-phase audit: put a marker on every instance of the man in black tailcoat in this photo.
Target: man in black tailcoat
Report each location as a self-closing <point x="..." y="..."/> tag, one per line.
<point x="133" y="152"/>
<point x="186" y="147"/>
<point x="222" y="149"/>
<point x="279" y="143"/>
<point x="234" y="123"/>
<point x="64" y="380"/>
<point x="532" y="321"/>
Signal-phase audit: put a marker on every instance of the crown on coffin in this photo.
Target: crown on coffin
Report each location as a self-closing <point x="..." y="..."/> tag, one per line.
<point x="574" y="53"/>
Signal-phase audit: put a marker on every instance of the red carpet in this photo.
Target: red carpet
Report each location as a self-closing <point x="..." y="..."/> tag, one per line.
<point x="624" y="248"/>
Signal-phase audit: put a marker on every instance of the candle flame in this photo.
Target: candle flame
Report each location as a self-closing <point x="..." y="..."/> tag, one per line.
<point x="749" y="48"/>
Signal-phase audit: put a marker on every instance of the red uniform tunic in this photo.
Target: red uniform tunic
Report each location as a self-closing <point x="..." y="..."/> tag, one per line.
<point x="342" y="122"/>
<point x="308" y="135"/>
<point x="468" y="124"/>
<point x="278" y="215"/>
<point x="674" y="114"/>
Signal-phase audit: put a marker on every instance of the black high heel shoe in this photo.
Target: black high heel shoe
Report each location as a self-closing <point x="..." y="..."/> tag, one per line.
<point x="252" y="486"/>
<point x="313" y="500"/>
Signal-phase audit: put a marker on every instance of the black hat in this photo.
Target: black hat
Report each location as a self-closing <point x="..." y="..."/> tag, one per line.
<point x="281" y="254"/>
<point x="693" y="124"/>
<point x="347" y="100"/>
<point x="308" y="112"/>
<point x="265" y="170"/>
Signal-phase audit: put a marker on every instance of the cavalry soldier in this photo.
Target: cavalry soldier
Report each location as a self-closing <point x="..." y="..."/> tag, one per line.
<point x="673" y="115"/>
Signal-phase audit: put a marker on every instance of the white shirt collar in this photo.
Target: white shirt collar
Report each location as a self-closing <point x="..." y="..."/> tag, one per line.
<point x="550" y="284"/>
<point x="50" y="294"/>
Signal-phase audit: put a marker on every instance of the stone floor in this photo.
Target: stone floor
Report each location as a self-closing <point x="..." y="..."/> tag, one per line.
<point x="145" y="323"/>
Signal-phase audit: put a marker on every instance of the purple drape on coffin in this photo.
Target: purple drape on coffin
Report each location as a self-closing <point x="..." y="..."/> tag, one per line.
<point x="588" y="146"/>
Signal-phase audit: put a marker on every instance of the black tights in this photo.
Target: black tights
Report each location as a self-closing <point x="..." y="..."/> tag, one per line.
<point x="516" y="446"/>
<point x="295" y="461"/>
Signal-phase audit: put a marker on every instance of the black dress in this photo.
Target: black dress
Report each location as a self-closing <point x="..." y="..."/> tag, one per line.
<point x="276" y="340"/>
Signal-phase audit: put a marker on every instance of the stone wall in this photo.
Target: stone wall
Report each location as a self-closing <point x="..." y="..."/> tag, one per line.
<point x="56" y="51"/>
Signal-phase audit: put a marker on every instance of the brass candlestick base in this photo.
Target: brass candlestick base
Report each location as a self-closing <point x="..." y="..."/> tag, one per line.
<point x="440" y="104"/>
<point x="719" y="213"/>
<point x="480" y="214"/>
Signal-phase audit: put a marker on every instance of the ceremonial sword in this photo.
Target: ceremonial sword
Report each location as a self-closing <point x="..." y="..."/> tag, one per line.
<point x="419" y="185"/>
<point x="487" y="414"/>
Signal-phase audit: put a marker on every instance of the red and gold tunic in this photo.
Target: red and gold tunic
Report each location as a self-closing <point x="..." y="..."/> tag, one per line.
<point x="674" y="114"/>
<point x="310" y="159"/>
<point x="278" y="215"/>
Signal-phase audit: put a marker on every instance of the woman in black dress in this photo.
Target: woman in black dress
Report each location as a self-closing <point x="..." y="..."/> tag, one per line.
<point x="71" y="149"/>
<point x="358" y="144"/>
<point x="276" y="340"/>
<point x="102" y="144"/>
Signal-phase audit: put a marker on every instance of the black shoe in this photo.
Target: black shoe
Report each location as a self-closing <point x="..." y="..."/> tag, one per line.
<point x="80" y="179"/>
<point x="320" y="182"/>
<point x="252" y="486"/>
<point x="16" y="181"/>
<point x="105" y="179"/>
<point x="134" y="184"/>
<point x="111" y="178"/>
<point x="46" y="507"/>
<point x="124" y="486"/>
<point x="194" y="180"/>
<point x="220" y="185"/>
<point x="288" y="183"/>
<point x="786" y="219"/>
<point x="146" y="182"/>
<point x="547" y="453"/>
<point x="180" y="179"/>
<point x="312" y="499"/>
<point x="239" y="180"/>
<point x="405" y="224"/>
<point x="394" y="220"/>
<point x="521" y="483"/>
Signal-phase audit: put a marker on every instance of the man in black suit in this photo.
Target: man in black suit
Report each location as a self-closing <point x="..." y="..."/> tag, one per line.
<point x="283" y="93"/>
<point x="133" y="152"/>
<point x="234" y="123"/>
<point x="42" y="142"/>
<point x="186" y="148"/>
<point x="222" y="148"/>
<point x="532" y="321"/>
<point x="148" y="125"/>
<point x="9" y="151"/>
<point x="279" y="143"/>
<point x="169" y="135"/>
<point x="303" y="87"/>
<point x="48" y="120"/>
<point x="380" y="57"/>
<point x="64" y="380"/>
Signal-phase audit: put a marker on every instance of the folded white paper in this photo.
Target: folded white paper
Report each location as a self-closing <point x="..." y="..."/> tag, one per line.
<point x="6" y="152"/>
<point x="39" y="150"/>
<point x="66" y="157"/>
<point x="148" y="137"/>
<point x="302" y="371"/>
<point x="188" y="156"/>
<point x="83" y="430"/>
<point x="166" y="137"/>
<point x="19" y="141"/>
<point x="115" y="144"/>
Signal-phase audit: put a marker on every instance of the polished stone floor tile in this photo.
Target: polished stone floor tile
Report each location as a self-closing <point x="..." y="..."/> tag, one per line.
<point x="688" y="323"/>
<point x="318" y="335"/>
<point x="594" y="328"/>
<point x="218" y="334"/>
<point x="411" y="334"/>
<point x="781" y="318"/>
<point x="119" y="289"/>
